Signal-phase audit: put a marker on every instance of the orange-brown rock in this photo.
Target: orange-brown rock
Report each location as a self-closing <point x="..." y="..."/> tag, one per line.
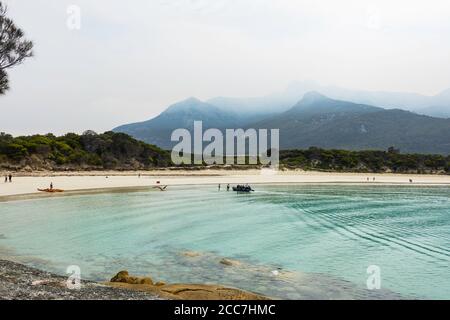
<point x="160" y="284"/>
<point x="181" y="291"/>
<point x="208" y="292"/>
<point x="124" y="277"/>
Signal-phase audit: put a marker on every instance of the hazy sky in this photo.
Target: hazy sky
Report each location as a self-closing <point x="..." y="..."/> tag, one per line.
<point x="131" y="59"/>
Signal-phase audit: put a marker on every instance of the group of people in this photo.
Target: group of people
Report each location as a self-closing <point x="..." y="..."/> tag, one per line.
<point x="8" y="177"/>
<point x="373" y="179"/>
<point x="245" y="188"/>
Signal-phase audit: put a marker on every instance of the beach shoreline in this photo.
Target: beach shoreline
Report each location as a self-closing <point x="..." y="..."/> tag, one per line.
<point x="25" y="187"/>
<point x="21" y="282"/>
<point x="26" y="184"/>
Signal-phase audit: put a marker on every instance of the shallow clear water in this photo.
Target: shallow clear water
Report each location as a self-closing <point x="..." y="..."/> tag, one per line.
<point x="321" y="238"/>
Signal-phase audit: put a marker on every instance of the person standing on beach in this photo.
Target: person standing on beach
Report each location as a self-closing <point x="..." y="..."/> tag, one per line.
<point x="228" y="187"/>
<point x="51" y="185"/>
<point x="10" y="177"/>
<point x="219" y="186"/>
<point x="6" y="178"/>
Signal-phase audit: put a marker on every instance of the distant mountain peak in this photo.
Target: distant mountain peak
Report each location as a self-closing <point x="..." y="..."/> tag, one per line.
<point x="314" y="102"/>
<point x="313" y="96"/>
<point x="191" y="102"/>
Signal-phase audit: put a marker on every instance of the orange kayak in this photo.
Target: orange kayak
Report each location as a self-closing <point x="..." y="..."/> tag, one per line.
<point x="51" y="190"/>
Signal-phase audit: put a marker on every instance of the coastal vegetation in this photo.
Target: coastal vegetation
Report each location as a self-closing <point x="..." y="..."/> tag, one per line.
<point x="364" y="161"/>
<point x="89" y="151"/>
<point x="119" y="151"/>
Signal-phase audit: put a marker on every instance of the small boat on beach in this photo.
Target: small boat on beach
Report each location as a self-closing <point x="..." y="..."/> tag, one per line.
<point x="242" y="188"/>
<point x="51" y="190"/>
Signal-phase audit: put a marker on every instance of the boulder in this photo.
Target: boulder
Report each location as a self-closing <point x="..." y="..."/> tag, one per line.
<point x="124" y="276"/>
<point x="181" y="291"/>
<point x="226" y="262"/>
<point x="207" y="292"/>
<point x="190" y="254"/>
<point x="229" y="262"/>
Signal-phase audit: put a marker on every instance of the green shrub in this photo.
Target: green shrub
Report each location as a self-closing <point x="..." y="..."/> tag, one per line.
<point x="15" y="151"/>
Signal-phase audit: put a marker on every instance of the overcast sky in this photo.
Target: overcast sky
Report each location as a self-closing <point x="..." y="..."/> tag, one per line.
<point x="131" y="59"/>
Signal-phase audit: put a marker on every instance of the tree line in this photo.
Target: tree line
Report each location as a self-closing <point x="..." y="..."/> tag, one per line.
<point x="390" y="160"/>
<point x="119" y="151"/>
<point x="90" y="150"/>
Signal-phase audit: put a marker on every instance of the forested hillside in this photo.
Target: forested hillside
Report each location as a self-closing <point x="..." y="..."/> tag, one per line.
<point x="73" y="152"/>
<point x="364" y="161"/>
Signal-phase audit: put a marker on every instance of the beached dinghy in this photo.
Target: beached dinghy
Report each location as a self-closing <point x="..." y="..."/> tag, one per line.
<point x="50" y="190"/>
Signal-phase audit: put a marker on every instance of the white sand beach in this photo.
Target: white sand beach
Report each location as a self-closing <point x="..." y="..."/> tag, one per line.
<point x="77" y="181"/>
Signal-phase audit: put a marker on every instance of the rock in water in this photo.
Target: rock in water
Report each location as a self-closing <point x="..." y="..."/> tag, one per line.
<point x="190" y="254"/>
<point x="182" y="291"/>
<point x="124" y="276"/>
<point x="207" y="292"/>
<point x="226" y="262"/>
<point x="229" y="262"/>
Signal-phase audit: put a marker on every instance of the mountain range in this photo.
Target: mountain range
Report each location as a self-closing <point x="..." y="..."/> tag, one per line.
<point x="181" y="115"/>
<point x="435" y="106"/>
<point x="313" y="120"/>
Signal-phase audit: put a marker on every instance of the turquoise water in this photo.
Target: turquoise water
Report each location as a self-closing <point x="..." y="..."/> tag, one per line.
<point x="319" y="239"/>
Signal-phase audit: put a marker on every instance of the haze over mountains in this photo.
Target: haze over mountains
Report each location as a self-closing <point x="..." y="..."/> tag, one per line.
<point x="436" y="106"/>
<point x="334" y="124"/>
<point x="308" y="118"/>
<point x="181" y="115"/>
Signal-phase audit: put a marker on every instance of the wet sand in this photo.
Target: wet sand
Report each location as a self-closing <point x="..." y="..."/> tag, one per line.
<point x="85" y="181"/>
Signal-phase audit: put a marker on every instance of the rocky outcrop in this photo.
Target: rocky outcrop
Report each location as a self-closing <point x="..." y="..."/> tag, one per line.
<point x="19" y="282"/>
<point x="182" y="291"/>
<point x="124" y="277"/>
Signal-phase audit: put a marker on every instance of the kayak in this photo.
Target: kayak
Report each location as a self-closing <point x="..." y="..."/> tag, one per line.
<point x="50" y="190"/>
